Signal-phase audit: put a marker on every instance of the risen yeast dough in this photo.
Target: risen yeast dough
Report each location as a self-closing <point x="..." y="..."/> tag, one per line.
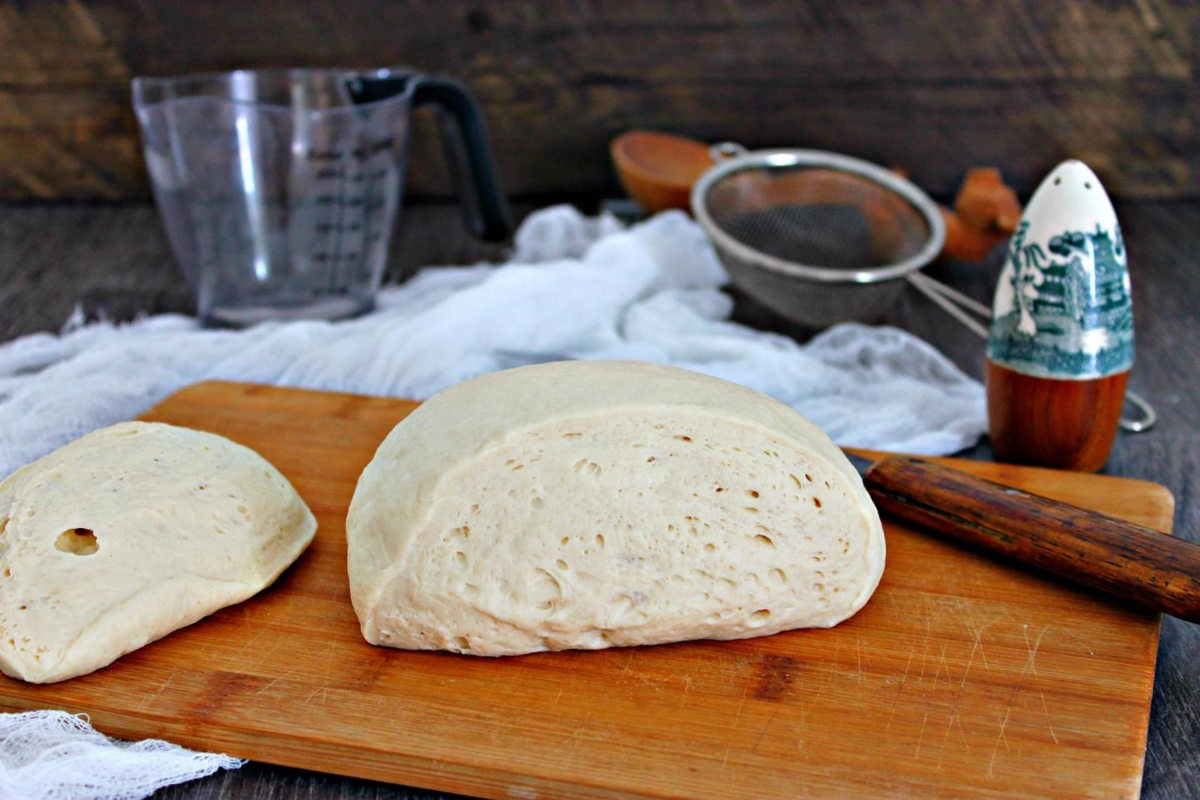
<point x="129" y="533"/>
<point x="598" y="504"/>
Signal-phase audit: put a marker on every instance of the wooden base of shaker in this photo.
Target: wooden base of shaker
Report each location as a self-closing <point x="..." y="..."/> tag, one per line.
<point x="1053" y="423"/>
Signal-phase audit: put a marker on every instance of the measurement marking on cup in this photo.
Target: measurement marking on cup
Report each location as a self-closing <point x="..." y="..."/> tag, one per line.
<point x="359" y="153"/>
<point x="352" y="192"/>
<point x="371" y="204"/>
<point x="327" y="227"/>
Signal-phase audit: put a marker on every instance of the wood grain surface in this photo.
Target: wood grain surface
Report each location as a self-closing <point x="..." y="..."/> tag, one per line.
<point x="1062" y="424"/>
<point x="963" y="677"/>
<point x="114" y="261"/>
<point x="933" y="87"/>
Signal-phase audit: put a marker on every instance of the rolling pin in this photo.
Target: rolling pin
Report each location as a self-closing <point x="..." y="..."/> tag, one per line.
<point x="1138" y="564"/>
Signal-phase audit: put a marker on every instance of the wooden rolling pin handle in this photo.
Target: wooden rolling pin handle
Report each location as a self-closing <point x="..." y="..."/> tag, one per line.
<point x="1144" y="566"/>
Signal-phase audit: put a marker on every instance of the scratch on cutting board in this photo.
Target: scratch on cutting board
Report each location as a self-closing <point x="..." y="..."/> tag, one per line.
<point x="628" y="663"/>
<point x="266" y="656"/>
<point x="741" y="705"/>
<point x="1030" y="666"/>
<point x="976" y="647"/>
<point x="162" y="688"/>
<point x="963" y="733"/>
<point x="1036" y="678"/>
<point x="946" y="736"/>
<point x="942" y="662"/>
<point x="248" y="644"/>
<point x="766" y="726"/>
<point x="287" y="673"/>
<point x="858" y="656"/>
<point x="977" y="635"/>
<point x="1001" y="737"/>
<point x="274" y="681"/>
<point x="802" y="704"/>
<point x="577" y="742"/>
<point x="925" y="652"/>
<point x="912" y="651"/>
<point x="954" y="716"/>
<point x="921" y="735"/>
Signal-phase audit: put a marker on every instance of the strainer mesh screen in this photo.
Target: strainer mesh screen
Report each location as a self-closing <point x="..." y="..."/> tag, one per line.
<point x="817" y="216"/>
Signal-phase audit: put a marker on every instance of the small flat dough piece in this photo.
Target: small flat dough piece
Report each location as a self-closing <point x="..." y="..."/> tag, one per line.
<point x="596" y="504"/>
<point x="129" y="533"/>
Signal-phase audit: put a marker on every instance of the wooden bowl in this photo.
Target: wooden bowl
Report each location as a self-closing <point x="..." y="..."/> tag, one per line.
<point x="658" y="169"/>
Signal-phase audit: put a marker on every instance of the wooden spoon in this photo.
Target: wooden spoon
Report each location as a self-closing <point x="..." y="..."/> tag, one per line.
<point x="658" y="169"/>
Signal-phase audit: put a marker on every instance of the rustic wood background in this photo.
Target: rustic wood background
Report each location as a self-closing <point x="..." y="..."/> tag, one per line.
<point x="931" y="86"/>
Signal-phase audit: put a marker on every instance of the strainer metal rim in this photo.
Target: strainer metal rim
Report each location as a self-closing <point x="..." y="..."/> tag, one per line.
<point x="759" y="159"/>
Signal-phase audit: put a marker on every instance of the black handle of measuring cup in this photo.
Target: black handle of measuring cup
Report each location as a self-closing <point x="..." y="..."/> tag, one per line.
<point x="464" y="136"/>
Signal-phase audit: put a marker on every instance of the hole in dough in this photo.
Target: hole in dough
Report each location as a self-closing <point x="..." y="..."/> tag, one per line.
<point x="77" y="541"/>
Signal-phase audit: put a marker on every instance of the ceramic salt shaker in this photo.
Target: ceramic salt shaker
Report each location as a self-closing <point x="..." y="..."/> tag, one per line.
<point x="1061" y="341"/>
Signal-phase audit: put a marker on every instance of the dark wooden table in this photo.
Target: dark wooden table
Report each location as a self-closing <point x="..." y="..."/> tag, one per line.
<point x="114" y="262"/>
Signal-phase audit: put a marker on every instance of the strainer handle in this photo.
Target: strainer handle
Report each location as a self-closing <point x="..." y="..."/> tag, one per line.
<point x="957" y="305"/>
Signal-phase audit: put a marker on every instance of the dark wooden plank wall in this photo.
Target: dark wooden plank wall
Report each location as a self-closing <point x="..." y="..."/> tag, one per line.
<point x="930" y="85"/>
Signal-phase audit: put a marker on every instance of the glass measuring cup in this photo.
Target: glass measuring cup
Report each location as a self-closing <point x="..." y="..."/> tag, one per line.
<point x="279" y="189"/>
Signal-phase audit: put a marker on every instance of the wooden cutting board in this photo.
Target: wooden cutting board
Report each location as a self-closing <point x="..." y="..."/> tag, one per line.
<point x="963" y="677"/>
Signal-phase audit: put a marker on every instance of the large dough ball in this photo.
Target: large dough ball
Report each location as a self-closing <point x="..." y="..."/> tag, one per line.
<point x="598" y="504"/>
<point x="129" y="533"/>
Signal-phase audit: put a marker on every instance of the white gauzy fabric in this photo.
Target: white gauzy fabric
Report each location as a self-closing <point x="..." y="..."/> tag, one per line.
<point x="575" y="287"/>
<point x="52" y="755"/>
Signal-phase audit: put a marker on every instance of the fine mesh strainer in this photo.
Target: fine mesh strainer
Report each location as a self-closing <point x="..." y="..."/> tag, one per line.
<point x="823" y="238"/>
<point x="818" y="237"/>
